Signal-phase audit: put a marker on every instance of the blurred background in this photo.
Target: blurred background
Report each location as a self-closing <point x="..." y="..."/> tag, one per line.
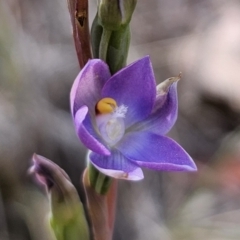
<point x="37" y="67"/>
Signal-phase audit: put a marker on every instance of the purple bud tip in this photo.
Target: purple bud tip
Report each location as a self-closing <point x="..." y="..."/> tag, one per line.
<point x="45" y="170"/>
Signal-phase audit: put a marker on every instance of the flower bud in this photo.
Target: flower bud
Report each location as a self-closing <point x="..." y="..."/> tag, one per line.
<point x="67" y="215"/>
<point x="117" y="46"/>
<point x="118" y="49"/>
<point x="96" y="35"/>
<point x="114" y="14"/>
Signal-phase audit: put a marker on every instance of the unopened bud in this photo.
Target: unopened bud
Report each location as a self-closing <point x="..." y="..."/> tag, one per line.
<point x="67" y="214"/>
<point x="114" y="14"/>
<point x="117" y="46"/>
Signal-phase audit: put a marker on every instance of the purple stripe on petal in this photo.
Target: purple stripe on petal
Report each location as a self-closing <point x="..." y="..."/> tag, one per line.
<point x="116" y="166"/>
<point x="134" y="87"/>
<point x="86" y="89"/>
<point x="156" y="152"/>
<point x="86" y="132"/>
<point x="164" y="117"/>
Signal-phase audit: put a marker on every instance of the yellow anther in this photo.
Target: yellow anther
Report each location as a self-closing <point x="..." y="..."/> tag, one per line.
<point x="106" y="105"/>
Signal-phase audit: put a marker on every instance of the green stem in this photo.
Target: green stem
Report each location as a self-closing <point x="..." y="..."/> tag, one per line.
<point x="99" y="181"/>
<point x="93" y="175"/>
<point x="103" y="48"/>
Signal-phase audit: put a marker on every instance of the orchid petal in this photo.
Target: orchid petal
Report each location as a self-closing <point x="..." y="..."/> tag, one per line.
<point x="87" y="86"/>
<point x="86" y="132"/>
<point x="134" y="87"/>
<point x="155" y="152"/>
<point x="164" y="116"/>
<point x="116" y="166"/>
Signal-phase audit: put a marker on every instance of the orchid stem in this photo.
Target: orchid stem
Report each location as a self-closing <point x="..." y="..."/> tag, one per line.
<point x="93" y="175"/>
<point x="78" y="10"/>
<point x="102" y="184"/>
<point x="103" y="48"/>
<point x="98" y="181"/>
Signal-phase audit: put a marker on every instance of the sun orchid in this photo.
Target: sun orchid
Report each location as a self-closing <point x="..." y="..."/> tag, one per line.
<point x="123" y="118"/>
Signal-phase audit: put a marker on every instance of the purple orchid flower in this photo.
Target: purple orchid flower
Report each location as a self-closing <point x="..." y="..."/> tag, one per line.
<point x="123" y="118"/>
